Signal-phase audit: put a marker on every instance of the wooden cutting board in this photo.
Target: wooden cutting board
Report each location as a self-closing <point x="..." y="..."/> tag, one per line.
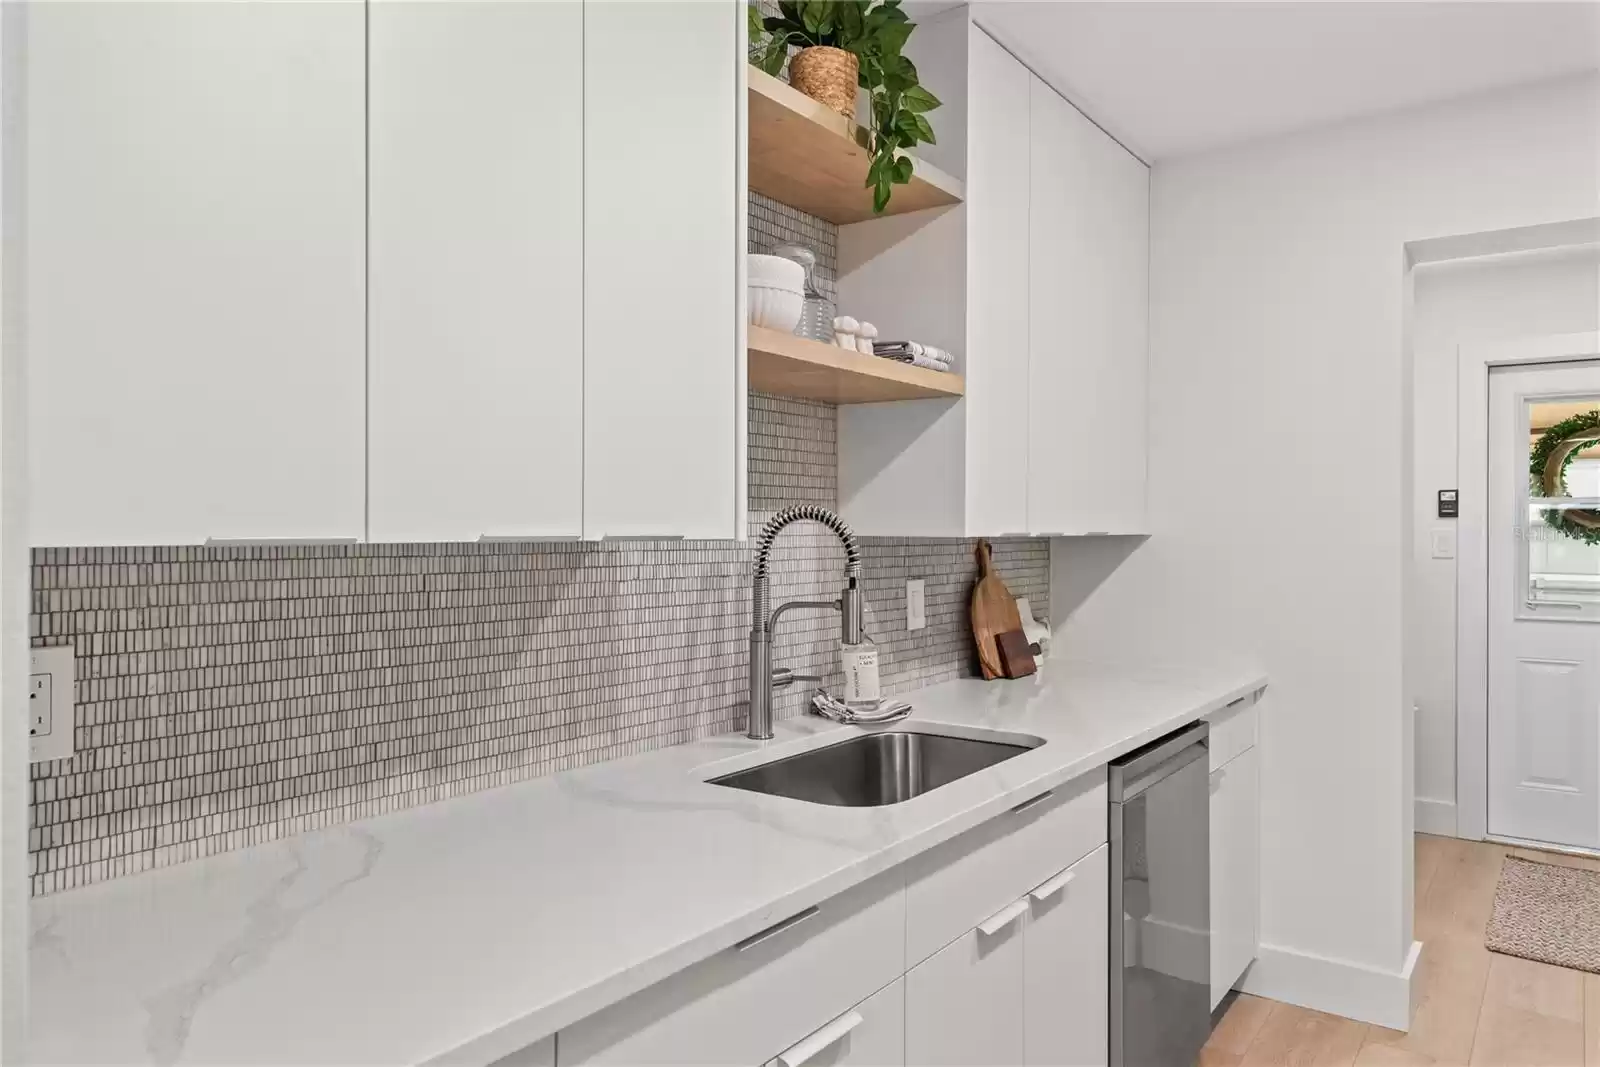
<point x="994" y="612"/>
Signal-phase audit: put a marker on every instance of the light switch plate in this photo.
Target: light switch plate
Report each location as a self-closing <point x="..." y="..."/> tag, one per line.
<point x="50" y="690"/>
<point x="1444" y="543"/>
<point x="916" y="604"/>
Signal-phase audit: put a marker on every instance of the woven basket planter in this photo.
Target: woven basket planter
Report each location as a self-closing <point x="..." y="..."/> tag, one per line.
<point x="827" y="75"/>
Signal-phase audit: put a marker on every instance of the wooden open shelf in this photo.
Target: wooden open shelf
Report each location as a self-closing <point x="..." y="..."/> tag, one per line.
<point x="804" y="154"/>
<point x="786" y="365"/>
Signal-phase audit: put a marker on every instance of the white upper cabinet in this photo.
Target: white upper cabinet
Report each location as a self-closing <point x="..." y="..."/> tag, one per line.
<point x="998" y="148"/>
<point x="1038" y="283"/>
<point x="476" y="357"/>
<point x="664" y="241"/>
<point x="195" y="202"/>
<point x="1089" y="283"/>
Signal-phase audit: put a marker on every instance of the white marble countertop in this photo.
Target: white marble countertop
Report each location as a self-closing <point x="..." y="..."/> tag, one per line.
<point x="461" y="931"/>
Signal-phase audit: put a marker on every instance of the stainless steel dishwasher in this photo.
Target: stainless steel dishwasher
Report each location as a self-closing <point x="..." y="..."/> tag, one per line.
<point x="1161" y="902"/>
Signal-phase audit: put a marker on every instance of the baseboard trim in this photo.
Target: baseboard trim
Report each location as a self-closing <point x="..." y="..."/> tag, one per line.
<point x="1435" y="817"/>
<point x="1339" y="987"/>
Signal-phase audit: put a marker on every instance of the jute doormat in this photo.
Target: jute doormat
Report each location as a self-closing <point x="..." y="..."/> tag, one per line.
<point x="1547" y="913"/>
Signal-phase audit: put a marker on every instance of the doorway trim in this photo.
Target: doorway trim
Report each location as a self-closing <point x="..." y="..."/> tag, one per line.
<point x="1473" y="363"/>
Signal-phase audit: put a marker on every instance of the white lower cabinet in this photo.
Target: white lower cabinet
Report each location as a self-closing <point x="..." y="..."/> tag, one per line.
<point x="964" y="1004"/>
<point x="871" y="1034"/>
<point x="989" y="949"/>
<point x="1029" y="985"/>
<point x="748" y="1004"/>
<point x="1235" y="870"/>
<point x="1067" y="963"/>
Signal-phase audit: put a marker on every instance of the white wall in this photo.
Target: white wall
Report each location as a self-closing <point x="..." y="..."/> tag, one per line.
<point x="1459" y="303"/>
<point x="14" y="556"/>
<point x="1280" y="428"/>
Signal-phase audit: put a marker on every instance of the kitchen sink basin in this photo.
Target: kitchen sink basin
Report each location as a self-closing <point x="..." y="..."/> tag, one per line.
<point x="887" y="767"/>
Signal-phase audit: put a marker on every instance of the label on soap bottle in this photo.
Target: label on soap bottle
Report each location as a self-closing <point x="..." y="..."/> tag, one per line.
<point x="860" y="672"/>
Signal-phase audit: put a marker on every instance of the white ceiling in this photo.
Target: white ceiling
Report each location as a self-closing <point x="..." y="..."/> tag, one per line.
<point x="1169" y="79"/>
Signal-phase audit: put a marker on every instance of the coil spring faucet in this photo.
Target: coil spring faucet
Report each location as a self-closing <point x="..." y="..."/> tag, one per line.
<point x="762" y="618"/>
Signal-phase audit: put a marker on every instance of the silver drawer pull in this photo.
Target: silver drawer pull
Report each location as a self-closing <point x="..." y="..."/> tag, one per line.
<point x="803" y="1051"/>
<point x="245" y="542"/>
<point x="1027" y="805"/>
<point x="777" y="928"/>
<point x="1003" y="918"/>
<point x="1575" y="604"/>
<point x="515" y="538"/>
<point x="1055" y="885"/>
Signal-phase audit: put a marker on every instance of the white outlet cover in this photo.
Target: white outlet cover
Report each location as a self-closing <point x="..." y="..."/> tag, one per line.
<point x="916" y="604"/>
<point x="56" y="686"/>
<point x="1444" y="543"/>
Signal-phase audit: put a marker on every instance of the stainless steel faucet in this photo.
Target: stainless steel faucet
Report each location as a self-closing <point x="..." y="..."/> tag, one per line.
<point x="763" y="618"/>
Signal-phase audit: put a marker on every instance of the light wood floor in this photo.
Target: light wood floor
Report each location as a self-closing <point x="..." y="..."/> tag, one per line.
<point x="1476" y="1008"/>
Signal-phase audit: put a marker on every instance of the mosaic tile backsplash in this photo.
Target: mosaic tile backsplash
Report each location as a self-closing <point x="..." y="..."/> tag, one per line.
<point x="230" y="696"/>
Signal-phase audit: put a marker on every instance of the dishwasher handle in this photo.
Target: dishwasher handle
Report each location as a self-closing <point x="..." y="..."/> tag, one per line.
<point x="1162" y="758"/>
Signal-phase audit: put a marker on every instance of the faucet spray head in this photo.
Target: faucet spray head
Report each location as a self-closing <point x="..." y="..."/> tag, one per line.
<point x="852" y="621"/>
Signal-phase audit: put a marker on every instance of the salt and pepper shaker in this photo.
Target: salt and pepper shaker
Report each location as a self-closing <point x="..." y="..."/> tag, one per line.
<point x="844" y="332"/>
<point x="865" y="335"/>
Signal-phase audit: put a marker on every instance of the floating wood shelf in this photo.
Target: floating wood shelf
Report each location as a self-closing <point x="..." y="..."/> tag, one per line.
<point x="786" y="365"/>
<point x="804" y="154"/>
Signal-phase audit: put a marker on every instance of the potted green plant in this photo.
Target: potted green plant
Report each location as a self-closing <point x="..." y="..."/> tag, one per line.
<point x="843" y="44"/>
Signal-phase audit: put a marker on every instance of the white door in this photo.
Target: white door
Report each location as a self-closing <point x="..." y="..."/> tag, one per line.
<point x="475" y="241"/>
<point x="1066" y="950"/>
<point x="965" y="1003"/>
<point x="1235" y="870"/>
<point x="997" y="291"/>
<point x="195" y="261"/>
<point x="1544" y="614"/>
<point x="663" y="243"/>
<point x="1089" y="270"/>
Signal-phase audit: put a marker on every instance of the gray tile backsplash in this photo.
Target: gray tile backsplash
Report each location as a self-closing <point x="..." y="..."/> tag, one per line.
<point x="229" y="696"/>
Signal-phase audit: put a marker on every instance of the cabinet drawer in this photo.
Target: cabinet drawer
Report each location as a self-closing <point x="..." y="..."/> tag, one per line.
<point x="1233" y="729"/>
<point x="871" y="1034"/>
<point x="954" y="887"/>
<point x="748" y="1004"/>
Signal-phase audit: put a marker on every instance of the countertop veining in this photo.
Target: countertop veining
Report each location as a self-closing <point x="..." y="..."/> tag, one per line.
<point x="461" y="931"/>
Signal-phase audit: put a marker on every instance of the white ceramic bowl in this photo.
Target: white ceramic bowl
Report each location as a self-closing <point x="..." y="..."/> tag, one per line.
<point x="775" y="272"/>
<point x="774" y="308"/>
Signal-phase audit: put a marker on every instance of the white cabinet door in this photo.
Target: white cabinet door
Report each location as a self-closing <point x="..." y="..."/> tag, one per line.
<point x="964" y="1004"/>
<point x="997" y="290"/>
<point x="663" y="209"/>
<point x="195" y="259"/>
<point x="1235" y="870"/>
<point x="476" y="252"/>
<point x="1089" y="284"/>
<point x="1067" y="962"/>
<point x="872" y="1034"/>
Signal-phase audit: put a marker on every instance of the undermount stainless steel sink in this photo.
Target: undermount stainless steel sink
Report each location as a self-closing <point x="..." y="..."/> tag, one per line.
<point x="887" y="767"/>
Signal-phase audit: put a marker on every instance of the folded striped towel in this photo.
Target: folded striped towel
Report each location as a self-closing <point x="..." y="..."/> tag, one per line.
<point x="915" y="353"/>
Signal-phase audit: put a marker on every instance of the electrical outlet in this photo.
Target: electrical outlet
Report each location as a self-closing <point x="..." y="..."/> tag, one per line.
<point x="916" y="605"/>
<point x="50" y="703"/>
<point x="40" y="718"/>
